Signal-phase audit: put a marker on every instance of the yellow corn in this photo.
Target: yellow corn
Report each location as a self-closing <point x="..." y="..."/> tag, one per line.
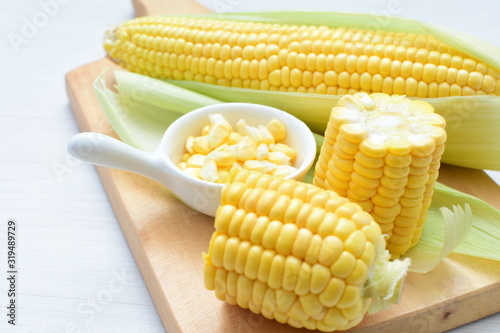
<point x="308" y="59"/>
<point x="296" y="253"/>
<point x="208" y="171"/>
<point x="384" y="153"/>
<point x="219" y="149"/>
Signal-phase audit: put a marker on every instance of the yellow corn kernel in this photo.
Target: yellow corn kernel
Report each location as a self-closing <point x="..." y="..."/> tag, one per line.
<point x="194" y="172"/>
<point x="218" y="119"/>
<point x="283" y="148"/>
<point x="245" y="150"/>
<point x="283" y="171"/>
<point x="222" y="158"/>
<point x="217" y="135"/>
<point x="224" y="177"/>
<point x="208" y="171"/>
<point x="243" y="127"/>
<point x="276" y="272"/>
<point x="201" y="145"/>
<point x="205" y="130"/>
<point x="253" y="134"/>
<point x="344" y="265"/>
<point x="189" y="145"/>
<point x="277" y="129"/>
<point x="311" y="304"/>
<point x="260" y="166"/>
<point x="222" y="147"/>
<point x="262" y="151"/>
<point x="234" y="138"/>
<point x="196" y="160"/>
<point x="278" y="158"/>
<point x="236" y="166"/>
<point x="265" y="136"/>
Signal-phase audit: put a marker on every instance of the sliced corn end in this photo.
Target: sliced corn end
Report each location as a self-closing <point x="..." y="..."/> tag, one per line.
<point x="384" y="152"/>
<point x="293" y="58"/>
<point x="299" y="255"/>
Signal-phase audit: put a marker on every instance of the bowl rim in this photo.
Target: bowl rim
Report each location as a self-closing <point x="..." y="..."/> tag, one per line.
<point x="306" y="135"/>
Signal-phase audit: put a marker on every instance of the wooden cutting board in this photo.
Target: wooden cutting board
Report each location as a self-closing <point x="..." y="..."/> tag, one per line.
<point x="167" y="240"/>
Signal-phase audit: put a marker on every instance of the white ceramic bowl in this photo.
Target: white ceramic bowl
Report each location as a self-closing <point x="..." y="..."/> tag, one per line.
<point x="161" y="165"/>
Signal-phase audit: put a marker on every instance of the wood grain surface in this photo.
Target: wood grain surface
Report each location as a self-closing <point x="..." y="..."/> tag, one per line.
<point x="167" y="240"/>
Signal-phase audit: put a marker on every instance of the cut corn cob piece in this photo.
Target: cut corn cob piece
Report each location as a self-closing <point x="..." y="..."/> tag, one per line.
<point x="299" y="254"/>
<point x="219" y="149"/>
<point x="384" y="153"/>
<point x="293" y="58"/>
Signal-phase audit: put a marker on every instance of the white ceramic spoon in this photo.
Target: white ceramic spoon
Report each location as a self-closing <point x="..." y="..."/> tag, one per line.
<point x="161" y="165"/>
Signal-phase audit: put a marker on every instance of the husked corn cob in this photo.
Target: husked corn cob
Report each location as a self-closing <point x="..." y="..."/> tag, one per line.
<point x="308" y="59"/>
<point x="298" y="254"/>
<point x="384" y="153"/>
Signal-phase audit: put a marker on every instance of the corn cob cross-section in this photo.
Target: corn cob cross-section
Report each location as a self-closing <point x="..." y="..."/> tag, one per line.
<point x="384" y="153"/>
<point x="293" y="58"/>
<point x="299" y="254"/>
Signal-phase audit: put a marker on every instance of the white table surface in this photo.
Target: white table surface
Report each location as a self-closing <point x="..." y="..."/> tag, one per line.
<point x="76" y="272"/>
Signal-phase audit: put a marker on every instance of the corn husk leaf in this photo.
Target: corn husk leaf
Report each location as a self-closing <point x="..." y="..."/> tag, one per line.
<point x="141" y="122"/>
<point x="484" y="237"/>
<point x="472" y="126"/>
<point x="431" y="248"/>
<point x="145" y="107"/>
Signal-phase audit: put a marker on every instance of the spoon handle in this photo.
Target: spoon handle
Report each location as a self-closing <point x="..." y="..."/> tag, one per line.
<point x="103" y="150"/>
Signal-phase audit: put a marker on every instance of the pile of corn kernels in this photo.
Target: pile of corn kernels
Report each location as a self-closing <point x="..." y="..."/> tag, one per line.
<point x="221" y="149"/>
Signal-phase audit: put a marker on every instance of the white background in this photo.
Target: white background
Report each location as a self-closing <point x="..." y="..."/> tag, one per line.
<point x="76" y="271"/>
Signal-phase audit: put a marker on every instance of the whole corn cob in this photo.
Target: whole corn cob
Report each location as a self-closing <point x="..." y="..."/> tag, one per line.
<point x="293" y="58"/>
<point x="384" y="153"/>
<point x="299" y="254"/>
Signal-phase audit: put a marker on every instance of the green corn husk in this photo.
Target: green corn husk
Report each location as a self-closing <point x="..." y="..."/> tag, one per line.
<point x="127" y="111"/>
<point x="472" y="126"/>
<point x="473" y="121"/>
<point x="140" y="119"/>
